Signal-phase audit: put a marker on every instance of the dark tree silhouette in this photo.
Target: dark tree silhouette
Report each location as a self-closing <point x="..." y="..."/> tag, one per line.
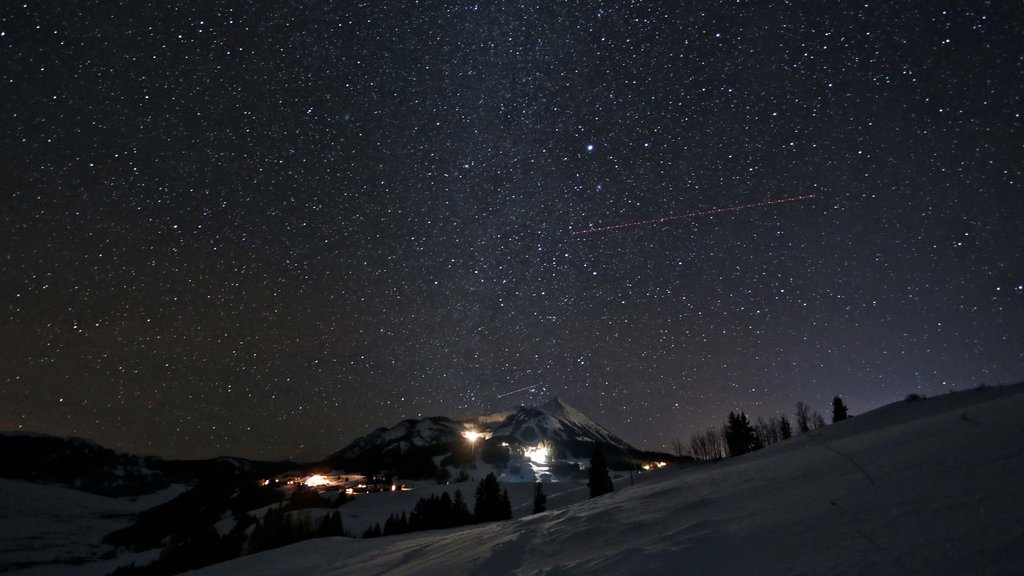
<point x="540" y="500"/>
<point x="600" y="482"/>
<point x="839" y="410"/>
<point x="373" y="532"/>
<point x="460" y="512"/>
<point x="769" y="431"/>
<point x="785" y="428"/>
<point x="817" y="420"/>
<point x="803" y="417"/>
<point x="739" y="435"/>
<point x="708" y="445"/>
<point x="491" y="504"/>
<point x="277" y="528"/>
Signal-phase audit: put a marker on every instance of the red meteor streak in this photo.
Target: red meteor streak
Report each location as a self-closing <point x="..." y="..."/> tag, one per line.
<point x="692" y="215"/>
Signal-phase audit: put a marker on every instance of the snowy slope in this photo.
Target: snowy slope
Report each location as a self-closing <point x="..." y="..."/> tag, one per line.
<point x="50" y="530"/>
<point x="929" y="487"/>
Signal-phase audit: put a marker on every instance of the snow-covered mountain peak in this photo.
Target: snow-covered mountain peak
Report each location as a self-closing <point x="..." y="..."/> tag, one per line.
<point x="563" y="427"/>
<point x="556" y="420"/>
<point x="561" y="409"/>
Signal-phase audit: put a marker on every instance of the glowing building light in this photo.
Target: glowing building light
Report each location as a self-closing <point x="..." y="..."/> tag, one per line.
<point x="316" y="480"/>
<point x="472" y="435"/>
<point x="538" y="455"/>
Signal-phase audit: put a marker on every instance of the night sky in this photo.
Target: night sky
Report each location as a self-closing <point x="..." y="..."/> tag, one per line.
<point x="265" y="228"/>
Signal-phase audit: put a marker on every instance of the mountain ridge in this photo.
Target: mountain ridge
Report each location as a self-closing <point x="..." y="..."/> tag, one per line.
<point x="422" y="446"/>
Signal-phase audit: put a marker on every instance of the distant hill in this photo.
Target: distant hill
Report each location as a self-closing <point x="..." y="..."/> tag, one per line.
<point x="85" y="465"/>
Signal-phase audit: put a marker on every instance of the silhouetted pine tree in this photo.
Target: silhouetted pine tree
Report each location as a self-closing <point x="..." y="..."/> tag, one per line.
<point x="739" y="435"/>
<point x="460" y="511"/>
<point x="506" y="505"/>
<point x="331" y="525"/>
<point x="540" y="500"/>
<point x="373" y="532"/>
<point x="490" y="504"/>
<point x="839" y="410"/>
<point x="600" y="482"/>
<point x="785" y="428"/>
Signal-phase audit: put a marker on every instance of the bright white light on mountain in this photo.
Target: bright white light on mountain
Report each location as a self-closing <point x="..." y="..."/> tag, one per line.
<point x="316" y="480"/>
<point x="471" y="435"/>
<point x="538" y="455"/>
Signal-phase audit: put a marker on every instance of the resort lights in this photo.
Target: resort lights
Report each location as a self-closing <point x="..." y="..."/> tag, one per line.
<point x="316" y="480"/>
<point x="538" y="455"/>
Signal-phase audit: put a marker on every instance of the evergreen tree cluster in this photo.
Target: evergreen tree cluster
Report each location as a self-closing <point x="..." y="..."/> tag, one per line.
<point x="439" y="512"/>
<point x="740" y="436"/>
<point x="492" y="503"/>
<point x="193" y="550"/>
<point x="433" y="513"/>
<point x="278" y="528"/>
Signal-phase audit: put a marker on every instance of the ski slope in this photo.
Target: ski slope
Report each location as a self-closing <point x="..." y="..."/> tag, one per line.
<point x="926" y="487"/>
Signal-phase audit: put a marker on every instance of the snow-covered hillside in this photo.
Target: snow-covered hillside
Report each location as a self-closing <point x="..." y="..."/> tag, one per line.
<point x="54" y="530"/>
<point x="927" y="487"/>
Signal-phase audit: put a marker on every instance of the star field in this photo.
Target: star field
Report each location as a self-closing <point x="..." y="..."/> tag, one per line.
<point x="263" y="230"/>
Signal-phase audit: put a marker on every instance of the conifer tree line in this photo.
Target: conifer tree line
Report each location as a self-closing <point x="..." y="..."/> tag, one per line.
<point x="739" y="435"/>
<point x="277" y="529"/>
<point x="439" y="512"/>
<point x="194" y="546"/>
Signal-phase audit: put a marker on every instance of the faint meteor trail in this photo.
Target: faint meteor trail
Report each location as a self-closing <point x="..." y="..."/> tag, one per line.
<point x="519" y="390"/>
<point x="691" y="215"/>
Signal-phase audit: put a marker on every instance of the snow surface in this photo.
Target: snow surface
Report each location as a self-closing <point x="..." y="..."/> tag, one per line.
<point x="927" y="487"/>
<point x="50" y="529"/>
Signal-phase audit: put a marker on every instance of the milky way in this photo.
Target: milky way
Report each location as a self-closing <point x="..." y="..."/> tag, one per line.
<point x="262" y="229"/>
